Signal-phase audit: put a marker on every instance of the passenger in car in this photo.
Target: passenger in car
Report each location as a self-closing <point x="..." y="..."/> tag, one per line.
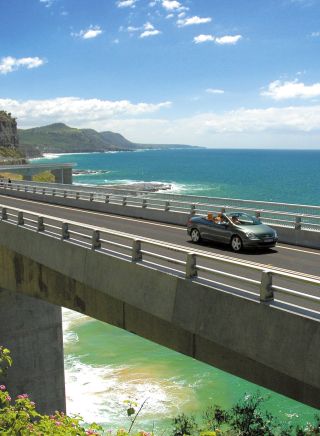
<point x="220" y="219"/>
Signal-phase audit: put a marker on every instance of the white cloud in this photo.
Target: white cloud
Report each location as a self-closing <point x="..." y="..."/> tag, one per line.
<point x="76" y="110"/>
<point x="228" y="39"/>
<point x="214" y="91"/>
<point x="292" y="118"/>
<point x="239" y="127"/>
<point x="193" y="20"/>
<point x="296" y="126"/>
<point x="47" y="3"/>
<point x="149" y="30"/>
<point x="171" y="5"/>
<point x="203" y="38"/>
<point x="133" y="29"/>
<point x="148" y="33"/>
<point x="148" y="26"/>
<point x="9" y="64"/>
<point x="278" y="90"/>
<point x="222" y="40"/>
<point x="315" y="34"/>
<point x="90" y="33"/>
<point x="126" y="3"/>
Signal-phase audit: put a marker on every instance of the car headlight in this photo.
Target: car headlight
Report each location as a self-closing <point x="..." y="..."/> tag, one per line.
<point x="275" y="234"/>
<point x="251" y="236"/>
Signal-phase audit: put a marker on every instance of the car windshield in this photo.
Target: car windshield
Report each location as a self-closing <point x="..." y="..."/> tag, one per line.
<point x="244" y="219"/>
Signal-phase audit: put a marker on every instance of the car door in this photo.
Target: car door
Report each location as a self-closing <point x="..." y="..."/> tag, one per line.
<point x="219" y="232"/>
<point x="205" y="228"/>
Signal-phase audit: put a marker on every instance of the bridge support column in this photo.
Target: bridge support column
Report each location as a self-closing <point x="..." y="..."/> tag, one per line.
<point x="32" y="330"/>
<point x="63" y="175"/>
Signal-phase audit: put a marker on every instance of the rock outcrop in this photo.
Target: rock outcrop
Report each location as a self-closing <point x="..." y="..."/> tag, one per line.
<point x="8" y="131"/>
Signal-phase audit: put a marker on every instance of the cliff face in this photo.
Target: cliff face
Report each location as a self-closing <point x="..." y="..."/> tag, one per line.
<point x="8" y="131"/>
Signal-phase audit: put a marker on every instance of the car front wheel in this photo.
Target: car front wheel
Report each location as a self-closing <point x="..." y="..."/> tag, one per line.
<point x="236" y="243"/>
<point x="195" y="235"/>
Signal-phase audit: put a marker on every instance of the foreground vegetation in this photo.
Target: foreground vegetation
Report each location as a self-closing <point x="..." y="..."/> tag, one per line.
<point x="19" y="417"/>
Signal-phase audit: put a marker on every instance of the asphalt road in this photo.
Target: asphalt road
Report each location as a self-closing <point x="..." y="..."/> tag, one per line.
<point x="287" y="257"/>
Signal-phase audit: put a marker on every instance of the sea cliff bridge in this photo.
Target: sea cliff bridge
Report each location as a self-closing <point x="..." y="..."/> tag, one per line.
<point x="123" y="257"/>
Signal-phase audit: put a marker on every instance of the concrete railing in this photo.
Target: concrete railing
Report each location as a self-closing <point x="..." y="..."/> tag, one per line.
<point x="216" y="271"/>
<point x="290" y="216"/>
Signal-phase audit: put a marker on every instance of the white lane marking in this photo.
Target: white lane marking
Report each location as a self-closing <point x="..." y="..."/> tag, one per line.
<point x="176" y="227"/>
<point x="298" y="249"/>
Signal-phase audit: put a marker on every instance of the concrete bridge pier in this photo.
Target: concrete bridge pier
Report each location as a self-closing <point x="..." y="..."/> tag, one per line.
<point x="32" y="330"/>
<point x="63" y="175"/>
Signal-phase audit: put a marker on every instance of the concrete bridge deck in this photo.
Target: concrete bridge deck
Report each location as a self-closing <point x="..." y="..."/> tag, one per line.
<point x="274" y="344"/>
<point x="62" y="172"/>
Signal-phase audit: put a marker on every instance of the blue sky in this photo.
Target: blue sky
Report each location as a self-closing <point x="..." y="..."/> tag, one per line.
<point x="216" y="73"/>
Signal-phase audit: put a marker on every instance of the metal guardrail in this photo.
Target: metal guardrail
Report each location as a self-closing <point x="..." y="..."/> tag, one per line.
<point x="193" y="265"/>
<point x="298" y="217"/>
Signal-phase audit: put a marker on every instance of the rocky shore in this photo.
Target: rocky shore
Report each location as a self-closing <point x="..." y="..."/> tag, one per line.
<point x="83" y="172"/>
<point x="141" y="186"/>
<point x="134" y="186"/>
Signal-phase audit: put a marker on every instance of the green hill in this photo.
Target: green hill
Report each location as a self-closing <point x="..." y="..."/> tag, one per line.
<point x="60" y="138"/>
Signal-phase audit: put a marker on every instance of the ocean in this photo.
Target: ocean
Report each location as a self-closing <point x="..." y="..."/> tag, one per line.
<point x="106" y="366"/>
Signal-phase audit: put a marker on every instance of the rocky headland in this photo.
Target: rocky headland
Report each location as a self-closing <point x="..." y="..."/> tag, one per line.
<point x="9" y="140"/>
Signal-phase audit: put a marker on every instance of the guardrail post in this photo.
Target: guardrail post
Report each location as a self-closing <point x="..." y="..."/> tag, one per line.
<point x="91" y="196"/>
<point x="297" y="224"/>
<point x="124" y="201"/>
<point x="167" y="206"/>
<point x="191" y="266"/>
<point x="43" y="191"/>
<point x="20" y="219"/>
<point x="53" y="192"/>
<point x="258" y="214"/>
<point x="96" y="243"/>
<point x="64" y="194"/>
<point x="266" y="292"/>
<point x="136" y="251"/>
<point x="4" y="215"/>
<point x="77" y="195"/>
<point x="107" y="199"/>
<point x="144" y="203"/>
<point x="65" y="234"/>
<point x="193" y="209"/>
<point x="18" y="187"/>
<point x="223" y="210"/>
<point x="26" y="189"/>
<point x="34" y="189"/>
<point x="40" y="226"/>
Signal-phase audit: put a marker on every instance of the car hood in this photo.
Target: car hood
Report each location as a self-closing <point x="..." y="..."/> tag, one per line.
<point x="259" y="229"/>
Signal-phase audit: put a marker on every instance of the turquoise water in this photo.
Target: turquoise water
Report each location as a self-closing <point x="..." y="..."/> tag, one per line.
<point x="285" y="176"/>
<point x="106" y="366"/>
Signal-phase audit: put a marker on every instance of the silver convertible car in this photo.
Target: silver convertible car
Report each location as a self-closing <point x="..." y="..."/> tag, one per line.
<point x="237" y="229"/>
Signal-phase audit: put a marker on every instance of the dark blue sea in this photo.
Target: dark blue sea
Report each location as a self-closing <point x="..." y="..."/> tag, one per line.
<point x="106" y="366"/>
<point x="270" y="175"/>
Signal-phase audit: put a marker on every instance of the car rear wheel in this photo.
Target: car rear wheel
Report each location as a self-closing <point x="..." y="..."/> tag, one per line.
<point x="195" y="235"/>
<point x="236" y="243"/>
